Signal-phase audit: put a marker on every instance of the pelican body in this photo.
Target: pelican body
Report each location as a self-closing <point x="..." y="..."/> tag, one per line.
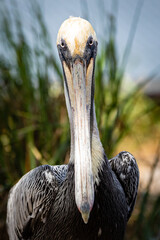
<point x="91" y="197"/>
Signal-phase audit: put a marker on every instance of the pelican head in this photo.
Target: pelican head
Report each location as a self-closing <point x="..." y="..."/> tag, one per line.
<point x="77" y="47"/>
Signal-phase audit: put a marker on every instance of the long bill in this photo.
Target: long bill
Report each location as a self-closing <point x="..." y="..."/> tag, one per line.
<point x="80" y="98"/>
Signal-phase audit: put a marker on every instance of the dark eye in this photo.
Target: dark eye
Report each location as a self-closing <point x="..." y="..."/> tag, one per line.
<point x="62" y="44"/>
<point x="90" y="42"/>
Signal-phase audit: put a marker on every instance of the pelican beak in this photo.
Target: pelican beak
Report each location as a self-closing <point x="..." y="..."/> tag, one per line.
<point x="79" y="83"/>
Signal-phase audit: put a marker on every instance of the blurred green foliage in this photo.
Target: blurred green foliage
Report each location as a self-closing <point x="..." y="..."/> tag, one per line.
<point x="34" y="126"/>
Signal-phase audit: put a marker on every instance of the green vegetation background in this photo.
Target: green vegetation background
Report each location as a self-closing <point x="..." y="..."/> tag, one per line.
<point x="34" y="126"/>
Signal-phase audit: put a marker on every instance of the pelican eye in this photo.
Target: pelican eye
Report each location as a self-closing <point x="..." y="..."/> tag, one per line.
<point x="90" y="41"/>
<point x="62" y="44"/>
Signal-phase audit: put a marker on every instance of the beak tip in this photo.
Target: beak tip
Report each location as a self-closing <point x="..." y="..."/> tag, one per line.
<point x="85" y="212"/>
<point x="85" y="217"/>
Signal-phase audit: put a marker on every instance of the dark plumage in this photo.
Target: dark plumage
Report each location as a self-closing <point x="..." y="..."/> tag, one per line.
<point x="91" y="197"/>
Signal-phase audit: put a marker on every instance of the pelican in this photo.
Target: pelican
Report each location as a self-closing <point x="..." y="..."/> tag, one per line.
<point x="91" y="197"/>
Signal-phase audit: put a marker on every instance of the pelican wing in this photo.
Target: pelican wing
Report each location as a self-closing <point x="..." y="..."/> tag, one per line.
<point x="31" y="198"/>
<point x="125" y="167"/>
